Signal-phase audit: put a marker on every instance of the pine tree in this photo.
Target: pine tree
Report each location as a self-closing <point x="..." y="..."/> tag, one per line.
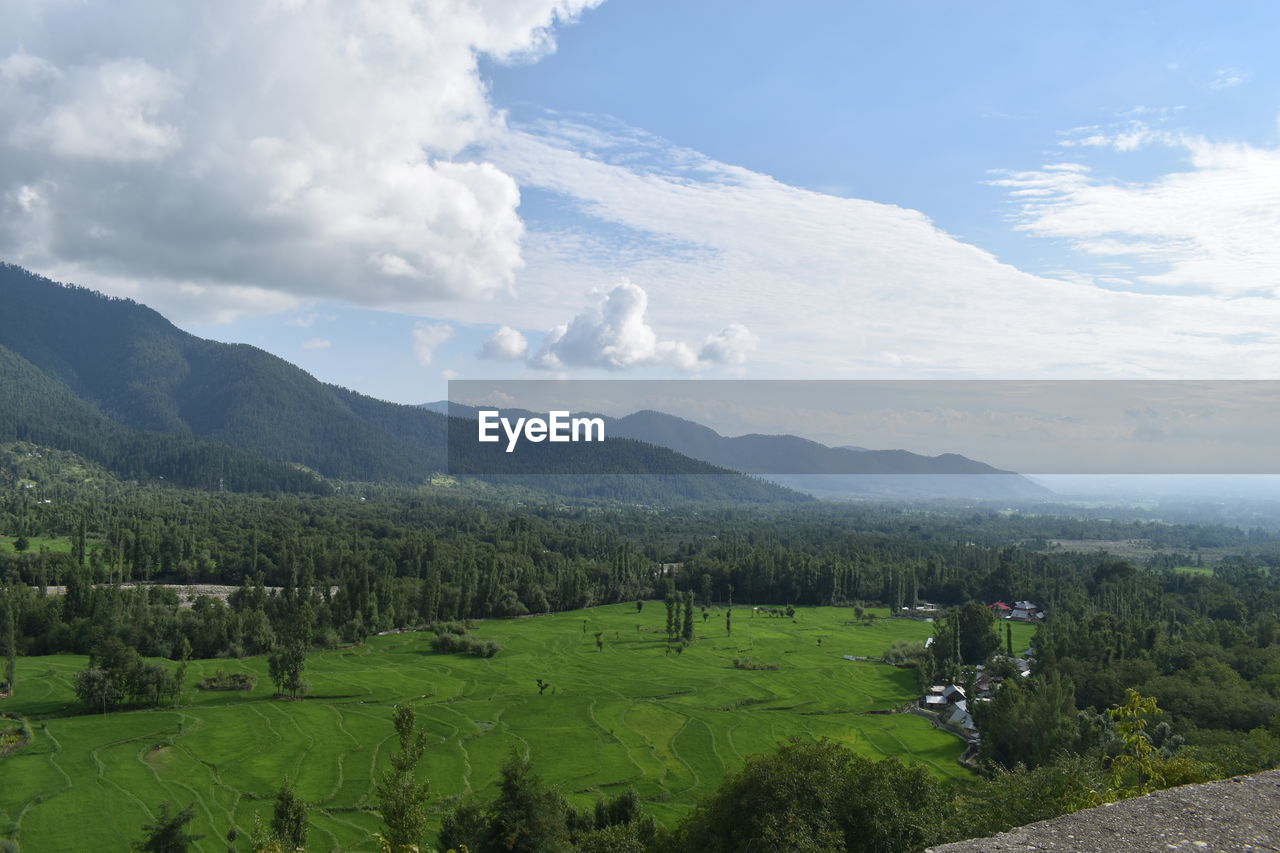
<point x="401" y="797"/>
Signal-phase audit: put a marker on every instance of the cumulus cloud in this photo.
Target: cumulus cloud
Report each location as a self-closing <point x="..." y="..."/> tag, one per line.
<point x="614" y="334"/>
<point x="506" y="344"/>
<point x="309" y="149"/>
<point x="106" y="111"/>
<point x="318" y="343"/>
<point x="731" y="346"/>
<point x="427" y="337"/>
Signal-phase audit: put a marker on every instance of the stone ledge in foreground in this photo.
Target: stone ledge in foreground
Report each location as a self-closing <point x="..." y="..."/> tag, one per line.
<point x="1242" y="813"/>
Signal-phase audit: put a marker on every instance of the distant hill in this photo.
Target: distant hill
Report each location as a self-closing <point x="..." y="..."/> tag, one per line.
<point x="800" y="463"/>
<point x="116" y="382"/>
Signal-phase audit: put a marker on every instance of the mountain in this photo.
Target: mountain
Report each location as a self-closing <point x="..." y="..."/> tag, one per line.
<point x="116" y="382"/>
<point x="800" y="463"/>
<point x="39" y="408"/>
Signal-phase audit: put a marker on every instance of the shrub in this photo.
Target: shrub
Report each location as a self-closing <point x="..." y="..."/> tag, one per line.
<point x="464" y="644"/>
<point x="227" y="681"/>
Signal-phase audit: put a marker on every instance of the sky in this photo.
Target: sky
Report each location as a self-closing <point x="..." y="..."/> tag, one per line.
<point x="395" y="194"/>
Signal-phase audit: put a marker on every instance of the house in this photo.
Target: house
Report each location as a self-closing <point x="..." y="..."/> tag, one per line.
<point x="961" y="718"/>
<point x="1027" y="611"/>
<point x="986" y="685"/>
<point x="999" y="609"/>
<point x="933" y="700"/>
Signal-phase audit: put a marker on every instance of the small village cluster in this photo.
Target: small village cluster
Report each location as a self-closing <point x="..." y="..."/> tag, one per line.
<point x="951" y="704"/>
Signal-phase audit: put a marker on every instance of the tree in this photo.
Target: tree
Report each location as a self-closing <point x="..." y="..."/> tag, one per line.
<point x="285" y="667"/>
<point x="401" y="797"/>
<point x="9" y="637"/>
<point x="289" y="820"/>
<point x="97" y="689"/>
<point x="168" y="834"/>
<point x="527" y="817"/>
<point x="686" y="628"/>
<point x="816" y="797"/>
<point x="1028" y="721"/>
<point x="1136" y="770"/>
<point x="967" y="635"/>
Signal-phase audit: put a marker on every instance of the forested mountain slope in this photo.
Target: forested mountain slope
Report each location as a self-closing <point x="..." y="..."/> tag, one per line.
<point x="117" y="382"/>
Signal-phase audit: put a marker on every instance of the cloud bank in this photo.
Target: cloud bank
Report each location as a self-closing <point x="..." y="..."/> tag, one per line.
<point x="288" y="149"/>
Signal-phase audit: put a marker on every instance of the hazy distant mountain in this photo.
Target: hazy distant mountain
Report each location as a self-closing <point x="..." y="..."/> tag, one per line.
<point x="116" y="382"/>
<point x="808" y="465"/>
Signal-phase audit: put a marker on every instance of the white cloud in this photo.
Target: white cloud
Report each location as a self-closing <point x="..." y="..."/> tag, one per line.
<point x="614" y="334"/>
<point x="1227" y="78"/>
<point x="731" y="346"/>
<point x="844" y="287"/>
<point x="506" y="344"/>
<point x="1211" y="227"/>
<point x="106" y="111"/>
<point x="318" y="343"/>
<point x="304" y="321"/>
<point x="1128" y="137"/>
<point x="427" y="337"/>
<point x="310" y="149"/>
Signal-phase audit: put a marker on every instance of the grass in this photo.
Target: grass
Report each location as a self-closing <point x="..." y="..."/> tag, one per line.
<point x="55" y="545"/>
<point x="629" y="715"/>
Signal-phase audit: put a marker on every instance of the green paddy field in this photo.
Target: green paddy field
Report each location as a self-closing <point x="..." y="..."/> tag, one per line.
<point x="628" y="715"/>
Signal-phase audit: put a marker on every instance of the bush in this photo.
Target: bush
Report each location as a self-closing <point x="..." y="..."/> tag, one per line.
<point x="227" y="681"/>
<point x="464" y="644"/>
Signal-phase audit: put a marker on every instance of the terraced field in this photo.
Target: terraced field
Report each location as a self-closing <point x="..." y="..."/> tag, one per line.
<point x="628" y="715"/>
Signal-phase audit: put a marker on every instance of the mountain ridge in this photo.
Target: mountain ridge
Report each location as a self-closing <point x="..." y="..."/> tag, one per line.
<point x="115" y="378"/>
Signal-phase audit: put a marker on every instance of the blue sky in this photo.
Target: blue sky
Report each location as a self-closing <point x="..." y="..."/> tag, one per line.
<point x="653" y="189"/>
